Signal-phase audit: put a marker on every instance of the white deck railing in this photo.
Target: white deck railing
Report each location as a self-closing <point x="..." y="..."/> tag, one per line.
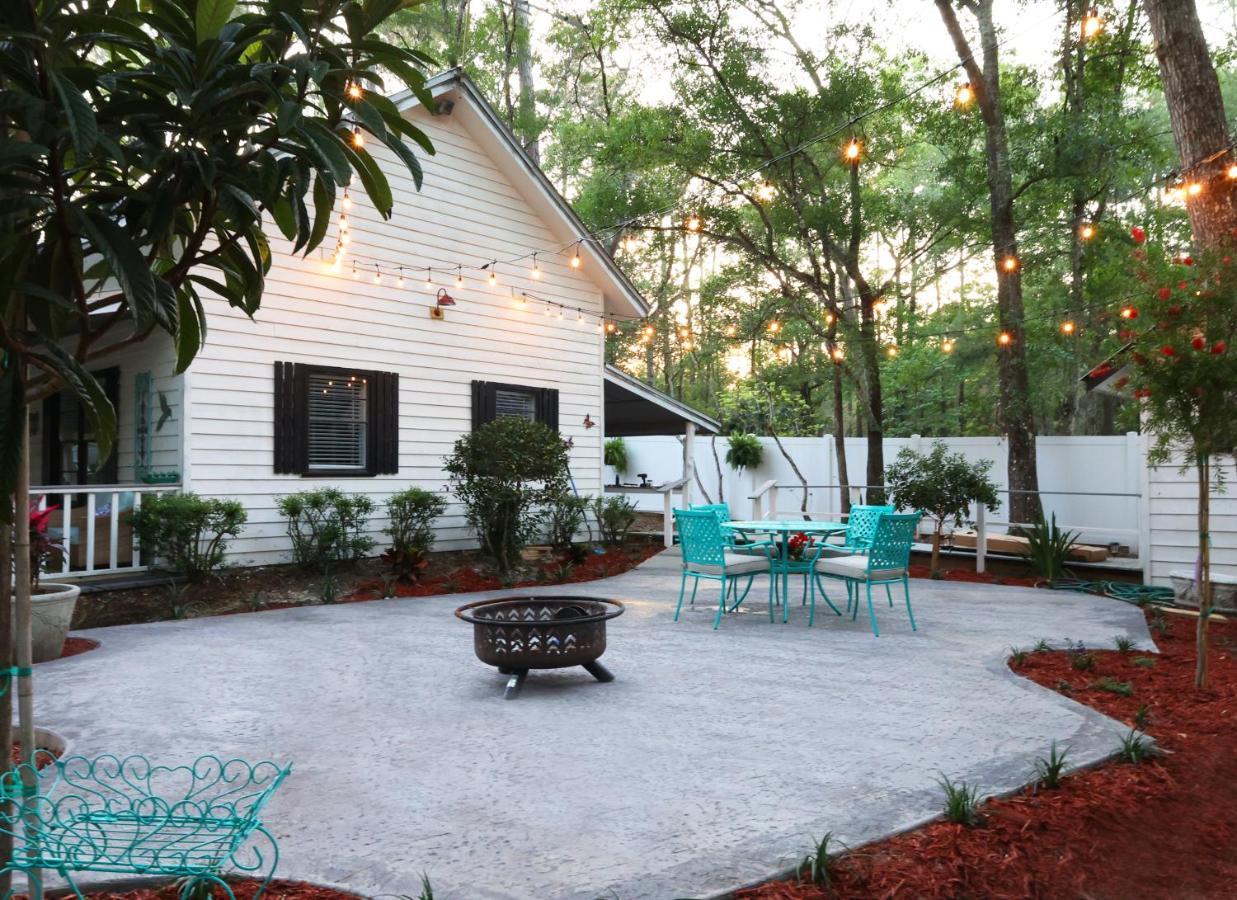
<point x="94" y="525"/>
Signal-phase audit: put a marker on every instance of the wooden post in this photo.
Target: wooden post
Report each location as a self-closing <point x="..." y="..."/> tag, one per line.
<point x="981" y="537"/>
<point x="689" y="462"/>
<point x="668" y="521"/>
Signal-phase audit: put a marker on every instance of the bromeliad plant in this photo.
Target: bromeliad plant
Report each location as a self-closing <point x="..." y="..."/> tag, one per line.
<point x="1184" y="371"/>
<point x="45" y="551"/>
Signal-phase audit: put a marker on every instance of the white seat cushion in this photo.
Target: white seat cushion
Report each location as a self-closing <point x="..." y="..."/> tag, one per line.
<point x="733" y="564"/>
<point x="834" y="551"/>
<point x="855" y="567"/>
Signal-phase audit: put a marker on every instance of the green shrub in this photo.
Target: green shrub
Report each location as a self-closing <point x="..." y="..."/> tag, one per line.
<point x="615" y="516"/>
<point x="505" y="473"/>
<point x="412" y="512"/>
<point x="1048" y="548"/>
<point x="327" y="526"/>
<point x="745" y="451"/>
<point x="185" y="533"/>
<point x="565" y="515"/>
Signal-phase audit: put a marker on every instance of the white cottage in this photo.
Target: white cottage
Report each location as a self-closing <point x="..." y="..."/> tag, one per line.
<point x="343" y="381"/>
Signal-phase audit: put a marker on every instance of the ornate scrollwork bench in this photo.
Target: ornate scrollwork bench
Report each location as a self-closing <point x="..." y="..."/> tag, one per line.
<point x="128" y="816"/>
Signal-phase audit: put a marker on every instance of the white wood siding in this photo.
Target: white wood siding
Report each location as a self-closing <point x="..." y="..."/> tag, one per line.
<point x="469" y="212"/>
<point x="1173" y="500"/>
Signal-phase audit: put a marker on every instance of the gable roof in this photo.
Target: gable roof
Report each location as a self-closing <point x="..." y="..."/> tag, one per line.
<point x="621" y="296"/>
<point x="633" y="408"/>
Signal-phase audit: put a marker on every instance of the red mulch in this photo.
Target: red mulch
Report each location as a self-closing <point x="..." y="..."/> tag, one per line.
<point x="467" y="579"/>
<point x="1166" y="828"/>
<point x="244" y="890"/>
<point x="962" y="573"/>
<point x="75" y="645"/>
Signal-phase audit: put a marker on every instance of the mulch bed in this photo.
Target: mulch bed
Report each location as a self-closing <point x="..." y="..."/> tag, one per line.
<point x="968" y="574"/>
<point x="1165" y="828"/>
<point x="76" y="645"/>
<point x="560" y="570"/>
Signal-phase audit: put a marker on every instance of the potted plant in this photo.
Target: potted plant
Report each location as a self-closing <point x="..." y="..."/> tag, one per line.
<point x="52" y="603"/>
<point x="616" y="457"/>
<point x="745" y="451"/>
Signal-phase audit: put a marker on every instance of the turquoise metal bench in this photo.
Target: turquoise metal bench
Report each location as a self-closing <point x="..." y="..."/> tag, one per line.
<point x="128" y="816"/>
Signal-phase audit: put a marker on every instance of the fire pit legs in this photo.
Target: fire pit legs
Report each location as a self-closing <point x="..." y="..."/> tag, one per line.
<point x="598" y="671"/>
<point x="514" y="683"/>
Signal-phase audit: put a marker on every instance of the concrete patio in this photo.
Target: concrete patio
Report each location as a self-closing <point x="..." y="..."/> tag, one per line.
<point x="710" y="763"/>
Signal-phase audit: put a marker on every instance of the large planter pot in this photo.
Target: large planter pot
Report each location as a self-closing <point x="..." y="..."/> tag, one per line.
<point x="52" y="614"/>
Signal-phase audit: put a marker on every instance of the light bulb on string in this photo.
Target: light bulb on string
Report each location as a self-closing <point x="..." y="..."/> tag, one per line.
<point x="579" y="317"/>
<point x="1068" y="327"/>
<point x="522" y="301"/>
<point x="459" y="277"/>
<point x="947" y="345"/>
<point x="354" y="91"/>
<point x="774" y="327"/>
<point x="1194" y="188"/>
<point x="964" y="96"/>
<point x="766" y="192"/>
<point x="732" y="330"/>
<point x="345" y="237"/>
<point x="830" y="318"/>
<point x="853" y="151"/>
<point x="891" y="351"/>
<point x="354" y="273"/>
<point x="493" y="279"/>
<point x="611" y="327"/>
<point x="429" y="279"/>
<point x="560" y="314"/>
<point x="1086" y="231"/>
<point x="399" y="282"/>
<point x="693" y="223"/>
<point x="343" y="222"/>
<point x="1232" y="172"/>
<point x="575" y="260"/>
<point x="1004" y="338"/>
<point x="358" y="139"/>
<point x="838" y="354"/>
<point x="347" y="199"/>
<point x="1092" y="24"/>
<point x="1010" y="263"/>
<point x="535" y="274"/>
<point x="377" y="275"/>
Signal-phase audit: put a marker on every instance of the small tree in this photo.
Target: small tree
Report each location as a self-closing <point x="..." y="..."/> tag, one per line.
<point x="1186" y="376"/>
<point x="412" y="512"/>
<point x="942" y="485"/>
<point x="505" y="473"/>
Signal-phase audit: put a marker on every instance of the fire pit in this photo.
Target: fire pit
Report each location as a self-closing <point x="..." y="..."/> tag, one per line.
<point x="517" y="634"/>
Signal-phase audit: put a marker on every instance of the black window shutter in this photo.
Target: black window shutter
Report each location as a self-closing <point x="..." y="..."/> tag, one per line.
<point x="484" y="405"/>
<point x="300" y="418"/>
<point x="547" y="407"/>
<point x="384" y="423"/>
<point x="285" y="419"/>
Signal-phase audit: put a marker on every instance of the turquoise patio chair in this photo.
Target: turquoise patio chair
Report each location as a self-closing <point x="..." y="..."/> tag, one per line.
<point x="706" y="555"/>
<point x="886" y="562"/>
<point x="734" y="540"/>
<point x="860" y="527"/>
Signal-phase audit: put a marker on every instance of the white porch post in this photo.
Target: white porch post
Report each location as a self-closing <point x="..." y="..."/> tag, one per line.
<point x="689" y="462"/>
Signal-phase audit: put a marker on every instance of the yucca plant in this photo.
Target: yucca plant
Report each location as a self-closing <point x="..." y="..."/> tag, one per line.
<point x="1048" y="771"/>
<point x="1048" y="548"/>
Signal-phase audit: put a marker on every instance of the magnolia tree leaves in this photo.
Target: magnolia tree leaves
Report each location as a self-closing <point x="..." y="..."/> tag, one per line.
<point x="144" y="148"/>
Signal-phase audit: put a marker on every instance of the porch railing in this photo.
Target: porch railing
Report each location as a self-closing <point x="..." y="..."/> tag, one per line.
<point x="94" y="524"/>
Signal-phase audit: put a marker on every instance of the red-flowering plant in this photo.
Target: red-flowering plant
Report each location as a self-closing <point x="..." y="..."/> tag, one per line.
<point x="44" y="550"/>
<point x="1186" y="378"/>
<point x="797" y="544"/>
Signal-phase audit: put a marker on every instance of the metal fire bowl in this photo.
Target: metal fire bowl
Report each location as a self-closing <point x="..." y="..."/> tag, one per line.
<point x="520" y="633"/>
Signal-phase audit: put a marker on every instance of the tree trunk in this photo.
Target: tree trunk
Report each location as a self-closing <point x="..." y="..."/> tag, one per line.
<point x="524" y="71"/>
<point x="1203" y="575"/>
<point x="839" y="439"/>
<point x="721" y="479"/>
<point x="1196" y="111"/>
<point x="936" y="551"/>
<point x="1014" y="414"/>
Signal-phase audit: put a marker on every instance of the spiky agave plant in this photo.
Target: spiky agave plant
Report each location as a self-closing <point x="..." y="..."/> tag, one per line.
<point x="1048" y="548"/>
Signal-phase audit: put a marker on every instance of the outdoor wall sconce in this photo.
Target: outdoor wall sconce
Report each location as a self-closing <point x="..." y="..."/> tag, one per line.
<point x="442" y="300"/>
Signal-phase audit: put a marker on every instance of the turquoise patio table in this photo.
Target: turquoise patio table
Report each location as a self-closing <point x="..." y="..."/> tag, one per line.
<point x="784" y="528"/>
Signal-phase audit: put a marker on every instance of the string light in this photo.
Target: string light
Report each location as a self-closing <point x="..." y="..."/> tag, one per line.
<point x="1087" y="231"/>
<point x="493" y="279"/>
<point x="1068" y="327"/>
<point x="1004" y="338"/>
<point x="947" y="345"/>
<point x="629" y="243"/>
<point x="766" y="192"/>
<point x="1232" y="171"/>
<point x="1010" y="263"/>
<point x="347" y="199"/>
<point x="891" y="351"/>
<point x="535" y="274"/>
<point x="611" y="327"/>
<point x="358" y="139"/>
<point x="774" y="327"/>
<point x="732" y="330"/>
<point x="838" y="354"/>
<point x="1092" y="24"/>
<point x="429" y="279"/>
<point x="377" y="275"/>
<point x="964" y="96"/>
<point x="400" y="281"/>
<point x="693" y="223"/>
<point x="354" y="91"/>
<point x="853" y="150"/>
<point x="354" y="274"/>
<point x="579" y="317"/>
<point x="830" y="318"/>
<point x="1129" y="312"/>
<point x="575" y="260"/>
<point x="522" y="301"/>
<point x="459" y="277"/>
<point x="1194" y="188"/>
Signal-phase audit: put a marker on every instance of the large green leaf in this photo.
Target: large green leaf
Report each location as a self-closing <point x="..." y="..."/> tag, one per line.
<point x="100" y="413"/>
<point x="211" y="16"/>
<point x="128" y="265"/>
<point x="190" y="327"/>
<point x="83" y="128"/>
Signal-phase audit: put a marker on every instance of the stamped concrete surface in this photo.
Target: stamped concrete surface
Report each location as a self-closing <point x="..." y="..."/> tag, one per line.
<point x="709" y="763"/>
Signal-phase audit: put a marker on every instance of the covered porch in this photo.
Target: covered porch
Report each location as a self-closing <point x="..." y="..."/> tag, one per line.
<point x="634" y="409"/>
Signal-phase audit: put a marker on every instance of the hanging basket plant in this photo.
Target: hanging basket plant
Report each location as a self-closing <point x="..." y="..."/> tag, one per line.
<point x="745" y="451"/>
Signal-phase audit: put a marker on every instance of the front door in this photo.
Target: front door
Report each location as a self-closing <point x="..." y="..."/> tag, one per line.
<point x="71" y="449"/>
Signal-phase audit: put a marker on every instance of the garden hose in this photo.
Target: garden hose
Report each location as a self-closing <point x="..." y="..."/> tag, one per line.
<point x="1138" y="594"/>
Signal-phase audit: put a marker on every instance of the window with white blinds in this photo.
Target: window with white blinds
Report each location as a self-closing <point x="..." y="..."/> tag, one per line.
<point x="515" y="404"/>
<point x="337" y="421"/>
